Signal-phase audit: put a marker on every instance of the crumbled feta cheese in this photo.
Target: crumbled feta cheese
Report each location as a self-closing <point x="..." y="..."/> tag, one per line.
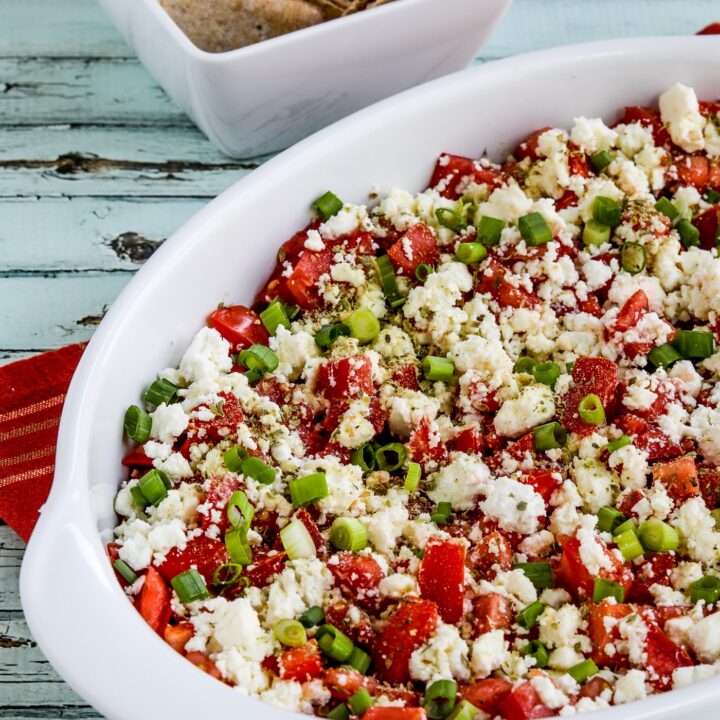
<point x="680" y="111"/>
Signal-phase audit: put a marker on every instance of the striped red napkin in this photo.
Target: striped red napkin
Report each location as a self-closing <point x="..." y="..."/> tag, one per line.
<point x="32" y="393"/>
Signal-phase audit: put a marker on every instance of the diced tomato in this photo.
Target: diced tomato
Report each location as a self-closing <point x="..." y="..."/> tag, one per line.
<point x="693" y="170"/>
<point x="441" y="577"/>
<point x="544" y="482"/>
<point x="663" y="657"/>
<point x="395" y="713"/>
<point x="577" y="579"/>
<point x="451" y="170"/>
<point x="606" y="634"/>
<point x="680" y="478"/>
<point x="627" y="506"/>
<point x="418" y="245"/>
<point x="709" y="481"/>
<point x="649" y="119"/>
<point x="486" y="695"/>
<point x="482" y="397"/>
<point x="711" y="29"/>
<point x="577" y="162"/>
<point x="408" y="628"/>
<point x="221" y="489"/>
<point x="137" y="458"/>
<point x="492" y="612"/>
<point x="265" y="567"/>
<point x="239" y="325"/>
<point x="591" y="306"/>
<point x="154" y="601"/>
<point x="594" y="687"/>
<point x="656" y="569"/>
<point x="493" y="549"/>
<point x="708" y="223"/>
<point x="345" y="377"/>
<point x="519" y="449"/>
<point x="426" y="446"/>
<point x="406" y="376"/>
<point x="227" y="415"/>
<point x="493" y="281"/>
<point x="566" y="200"/>
<point x="358" y="630"/>
<point x="202" y="552"/>
<point x="468" y="440"/>
<point x="357" y="576"/>
<point x="631" y="312"/>
<point x="178" y="636"/>
<point x="343" y="683"/>
<point x="273" y="389"/>
<point x="523" y="703"/>
<point x="590" y="375"/>
<point x="528" y="147"/>
<point x="648" y="438"/>
<point x="302" y="284"/>
<point x="202" y="661"/>
<point x="301" y="664"/>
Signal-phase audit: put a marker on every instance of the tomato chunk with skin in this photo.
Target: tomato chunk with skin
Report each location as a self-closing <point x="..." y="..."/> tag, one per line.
<point x="301" y="664"/>
<point x="202" y="661"/>
<point x="154" y="601"/>
<point x="663" y="657"/>
<point x="302" y="285"/>
<point x="708" y="223"/>
<point x="494" y="282"/>
<point x="656" y="569"/>
<point x="357" y="576"/>
<point x="345" y="377"/>
<point x="265" y="567"/>
<point x="523" y="703"/>
<point x="408" y="628"/>
<point x="394" y="713"/>
<point x="202" y="552"/>
<point x="493" y="549"/>
<point x="492" y="612"/>
<point x="441" y="577"/>
<point x="594" y="375"/>
<point x="451" y="170"/>
<point x="425" y="446"/>
<point x="486" y="695"/>
<point x="178" y="636"/>
<point x="679" y="477"/>
<point x="239" y="325"/>
<point x="544" y="482"/>
<point x="631" y="312"/>
<point x="604" y="632"/>
<point x="417" y="246"/>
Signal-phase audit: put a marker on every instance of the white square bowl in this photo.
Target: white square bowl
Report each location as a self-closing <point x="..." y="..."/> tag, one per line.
<point x="264" y="97"/>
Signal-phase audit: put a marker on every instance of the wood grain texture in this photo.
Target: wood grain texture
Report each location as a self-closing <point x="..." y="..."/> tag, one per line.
<point x="97" y="166"/>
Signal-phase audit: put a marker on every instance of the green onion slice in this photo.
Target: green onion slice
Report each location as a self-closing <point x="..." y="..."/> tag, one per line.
<point x="297" y="541"/>
<point x="412" y="477"/>
<point x="609" y="518"/>
<point x="470" y="252"/>
<point x="442" y="513"/>
<point x="549" y="436"/>
<point x="359" y="660"/>
<point x="391" y="457"/>
<point x="707" y="588"/>
<point x="364" y="457"/>
<point x="313" y="616"/>
<point x="607" y="211"/>
<point x="629" y="545"/>
<point x="528" y="617"/>
<point x="664" y="206"/>
<point x="138" y="424"/>
<point x="228" y="574"/>
<point x="630" y="525"/>
<point x="290" y="632"/>
<point x="464" y="710"/>
<point x="273" y="316"/>
<point x="607" y="589"/>
<point x="583" y="670"/>
<point x="438" y="369"/>
<point x="334" y="643"/>
<point x="596" y="233"/>
<point x="328" y="205"/>
<point x="534" y="229"/>
<point x="360" y="702"/>
<point x="154" y="486"/>
<point x="234" y="457"/>
<point x="258" y="357"/>
<point x="600" y="160"/>
<point x="240" y="512"/>
<point x="363" y="325"/>
<point x="190" y="586"/>
<point x="326" y="336"/>
<point x="489" y="230"/>
<point x="657" y="536"/>
<point x="536" y="650"/>
<point x="525" y="365"/>
<point x="540" y="574"/>
<point x="238" y="547"/>
<point x="546" y="373"/>
<point x="689" y="234"/>
<point x="388" y="281"/>
<point x="423" y="271"/>
<point x="633" y="257"/>
<point x="348" y="534"/>
<point x="341" y="712"/>
<point x="439" y="699"/>
<point x="125" y="571"/>
<point x="450" y="219"/>
<point x="308" y="489"/>
<point x="664" y="355"/>
<point x="716" y="517"/>
<point x="620" y="442"/>
<point x="695" y="344"/>
<point x="591" y="410"/>
<point x="255" y="468"/>
<point x="161" y="391"/>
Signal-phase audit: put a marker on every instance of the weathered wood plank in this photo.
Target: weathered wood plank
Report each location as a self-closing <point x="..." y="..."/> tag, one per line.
<point x="8" y="356"/>
<point x="53" y="234"/>
<point x="11" y="552"/>
<point x="128" y="161"/>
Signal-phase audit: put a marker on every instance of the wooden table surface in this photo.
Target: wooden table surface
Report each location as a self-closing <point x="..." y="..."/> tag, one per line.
<point x="97" y="167"/>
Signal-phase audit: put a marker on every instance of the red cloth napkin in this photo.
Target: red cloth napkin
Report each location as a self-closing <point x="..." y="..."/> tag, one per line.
<point x="32" y="393"/>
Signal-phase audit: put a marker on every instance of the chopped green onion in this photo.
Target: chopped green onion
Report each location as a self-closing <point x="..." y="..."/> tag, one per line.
<point x="363" y="324"/>
<point x="629" y="545"/>
<point x="707" y="588"/>
<point x="528" y="617"/>
<point x="297" y="541"/>
<point x="388" y="281"/>
<point x="620" y="442"/>
<point x="489" y="230"/>
<point x="569" y="366"/>
<point x="439" y="699"/>
<point x="333" y="643"/>
<point x="391" y="457"/>
<point x="716" y="517"/>
<point x="348" y="534"/>
<point x="630" y="525"/>
<point x="125" y="571"/>
<point x="591" y="410"/>
<point x="600" y="160"/>
<point x="694" y="344"/>
<point x="549" y="436"/>
<point x="596" y="233"/>
<point x="290" y="633"/>
<point x="470" y="252"/>
<point x="252" y="376"/>
<point x="534" y="229"/>
<point x="664" y="355"/>
<point x="328" y="205"/>
<point x="340" y="712"/>
<point x="438" y="368"/>
<point x="712" y="196"/>
<point x="450" y="219"/>
<point x="234" y="457"/>
<point x="546" y="373"/>
<point x="524" y="365"/>
<point x="364" y="457"/>
<point x="657" y="536"/>
<point x="359" y="660"/>
<point x="464" y="710"/>
<point x="313" y="616"/>
<point x="360" y="702"/>
<point x="423" y="271"/>
<point x="154" y="486"/>
<point x="664" y="206"/>
<point x="326" y="336"/>
<point x="412" y="477"/>
<point x="583" y="670"/>
<point x="238" y="547"/>
<point x="258" y="357"/>
<point x="540" y="574"/>
<point x="138" y="424"/>
<point x="190" y="586"/>
<point x="138" y="498"/>
<point x="607" y="589"/>
<point x="228" y="574"/>
<point x="442" y="513"/>
<point x="161" y="391"/>
<point x="256" y="469"/>
<point x="633" y="257"/>
<point x="536" y="650"/>
<point x="607" y="211"/>
<point x="273" y="316"/>
<point x="308" y="489"/>
<point x="609" y="518"/>
<point x="239" y="511"/>
<point x="689" y="234"/>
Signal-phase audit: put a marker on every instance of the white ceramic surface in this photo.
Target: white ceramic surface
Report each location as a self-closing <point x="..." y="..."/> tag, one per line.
<point x="76" y="609"/>
<point x="265" y="97"/>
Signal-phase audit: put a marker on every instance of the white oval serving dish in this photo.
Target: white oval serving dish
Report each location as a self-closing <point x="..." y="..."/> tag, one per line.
<point x="264" y="97"/>
<point x="75" y="608"/>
